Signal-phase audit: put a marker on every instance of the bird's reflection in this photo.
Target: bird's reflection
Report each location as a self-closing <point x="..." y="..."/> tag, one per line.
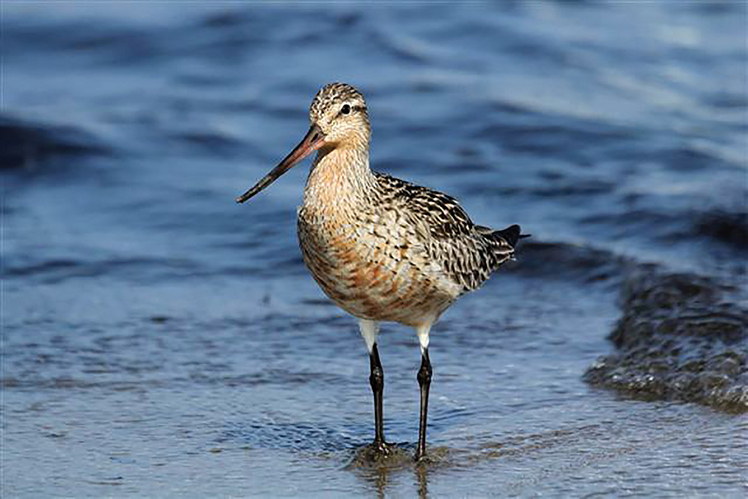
<point x="381" y="478"/>
<point x="422" y="476"/>
<point x="380" y="472"/>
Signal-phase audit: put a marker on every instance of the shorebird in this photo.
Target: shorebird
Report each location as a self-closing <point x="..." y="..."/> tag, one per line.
<point x="381" y="248"/>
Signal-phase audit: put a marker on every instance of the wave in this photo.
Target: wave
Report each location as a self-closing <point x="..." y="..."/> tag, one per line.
<point x="681" y="337"/>
<point x="25" y="144"/>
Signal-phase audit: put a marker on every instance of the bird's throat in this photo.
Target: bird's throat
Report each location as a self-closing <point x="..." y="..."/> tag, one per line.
<point x="338" y="176"/>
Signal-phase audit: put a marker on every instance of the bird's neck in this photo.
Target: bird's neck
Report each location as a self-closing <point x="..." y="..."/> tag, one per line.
<point x="339" y="177"/>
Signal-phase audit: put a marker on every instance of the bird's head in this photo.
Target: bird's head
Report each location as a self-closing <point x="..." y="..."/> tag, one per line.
<point x="339" y="119"/>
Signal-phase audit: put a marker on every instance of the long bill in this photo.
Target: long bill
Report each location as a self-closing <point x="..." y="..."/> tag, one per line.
<point x="313" y="140"/>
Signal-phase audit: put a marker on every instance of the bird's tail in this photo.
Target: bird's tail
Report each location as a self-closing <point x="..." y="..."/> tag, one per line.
<point x="511" y="234"/>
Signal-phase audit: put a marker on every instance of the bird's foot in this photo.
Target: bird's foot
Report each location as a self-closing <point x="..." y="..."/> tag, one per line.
<point x="381" y="448"/>
<point x="378" y="451"/>
<point x="382" y="455"/>
<point x="435" y="456"/>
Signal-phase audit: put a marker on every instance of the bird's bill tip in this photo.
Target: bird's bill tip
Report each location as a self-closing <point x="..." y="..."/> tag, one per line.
<point x="313" y="140"/>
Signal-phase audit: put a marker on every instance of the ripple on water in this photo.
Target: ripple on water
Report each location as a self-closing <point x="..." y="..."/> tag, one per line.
<point x="26" y="145"/>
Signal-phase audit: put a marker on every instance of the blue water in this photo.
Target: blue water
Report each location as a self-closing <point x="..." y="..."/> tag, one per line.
<point x="160" y="340"/>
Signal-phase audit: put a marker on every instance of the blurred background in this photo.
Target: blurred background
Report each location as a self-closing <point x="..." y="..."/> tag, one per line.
<point x="159" y="339"/>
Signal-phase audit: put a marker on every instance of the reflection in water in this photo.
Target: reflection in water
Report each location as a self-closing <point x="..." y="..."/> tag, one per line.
<point x="422" y="474"/>
<point x="378" y="471"/>
<point x="375" y="469"/>
<point x="380" y="476"/>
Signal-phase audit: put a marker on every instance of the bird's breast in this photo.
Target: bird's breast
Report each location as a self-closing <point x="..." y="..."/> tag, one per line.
<point x="371" y="264"/>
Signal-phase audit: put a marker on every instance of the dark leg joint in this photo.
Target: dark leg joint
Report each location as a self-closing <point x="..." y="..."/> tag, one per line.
<point x="425" y="372"/>
<point x="376" y="378"/>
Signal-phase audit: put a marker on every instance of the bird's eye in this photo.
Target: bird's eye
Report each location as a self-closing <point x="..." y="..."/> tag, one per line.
<point x="345" y="109"/>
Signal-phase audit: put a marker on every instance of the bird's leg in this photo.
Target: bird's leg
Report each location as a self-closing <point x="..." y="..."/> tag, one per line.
<point x="369" y="331"/>
<point x="376" y="379"/>
<point x="424" y="380"/>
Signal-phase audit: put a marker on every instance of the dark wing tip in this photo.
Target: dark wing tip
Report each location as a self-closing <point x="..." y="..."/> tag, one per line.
<point x="511" y="234"/>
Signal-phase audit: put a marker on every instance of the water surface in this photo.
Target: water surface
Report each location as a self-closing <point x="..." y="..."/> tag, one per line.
<point x="159" y="340"/>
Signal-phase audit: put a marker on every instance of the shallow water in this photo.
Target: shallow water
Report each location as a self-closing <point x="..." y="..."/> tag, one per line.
<point x="160" y="340"/>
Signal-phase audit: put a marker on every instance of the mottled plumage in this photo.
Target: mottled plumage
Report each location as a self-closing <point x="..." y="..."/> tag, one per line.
<point x="401" y="253"/>
<point x="381" y="248"/>
<point x="467" y="253"/>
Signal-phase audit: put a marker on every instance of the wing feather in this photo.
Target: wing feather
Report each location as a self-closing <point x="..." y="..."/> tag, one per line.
<point x="465" y="253"/>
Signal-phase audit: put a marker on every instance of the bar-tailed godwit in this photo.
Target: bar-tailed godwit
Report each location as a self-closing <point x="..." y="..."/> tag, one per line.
<point x="381" y="248"/>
